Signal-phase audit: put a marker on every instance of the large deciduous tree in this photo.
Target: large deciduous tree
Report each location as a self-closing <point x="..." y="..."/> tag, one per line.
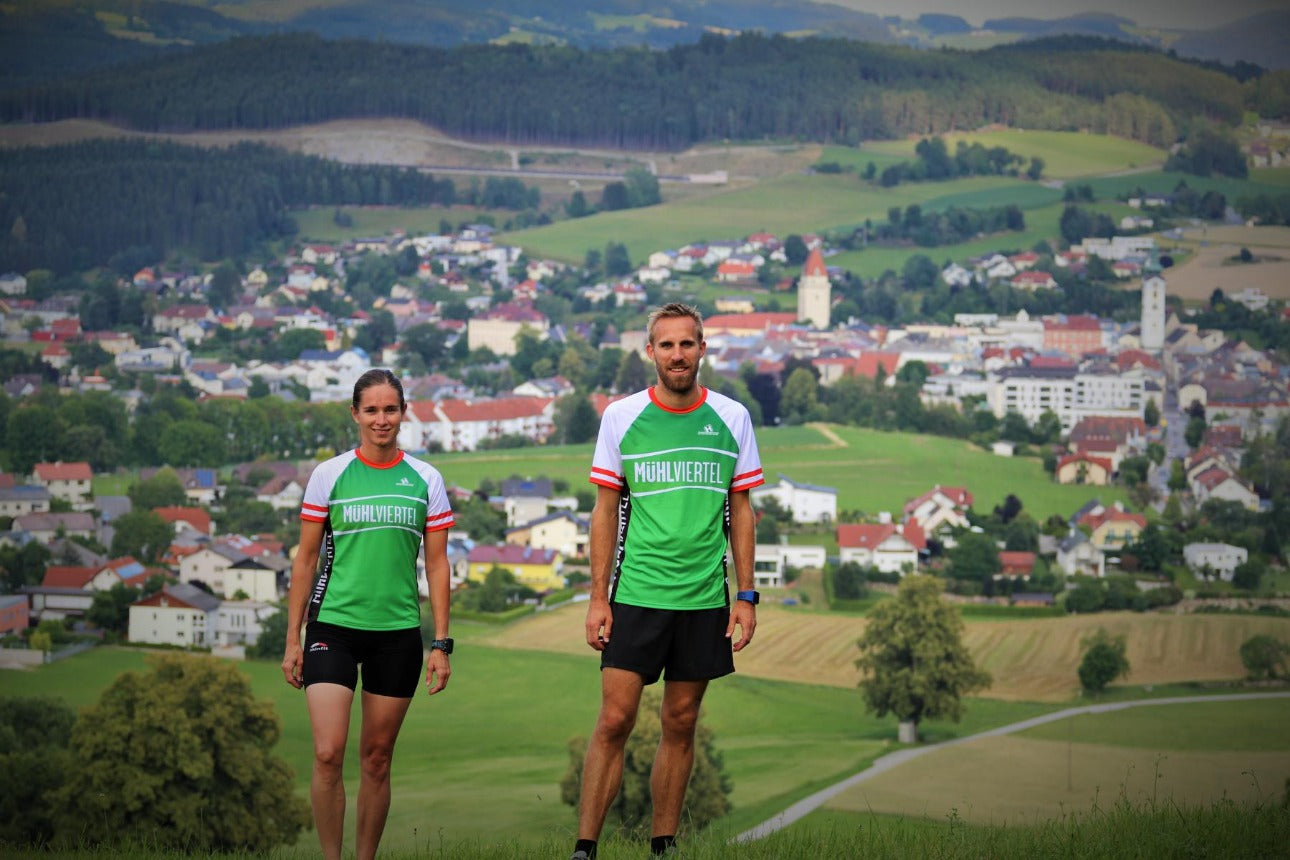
<point x="180" y="757"/>
<point x="913" y="661"/>
<point x="1105" y="659"/>
<point x="706" y="799"/>
<point x="33" y="757"/>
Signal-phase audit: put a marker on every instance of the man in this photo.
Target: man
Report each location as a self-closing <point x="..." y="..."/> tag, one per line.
<point x="674" y="464"/>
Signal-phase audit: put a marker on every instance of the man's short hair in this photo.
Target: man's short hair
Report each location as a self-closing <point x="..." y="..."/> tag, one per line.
<point x="671" y="310"/>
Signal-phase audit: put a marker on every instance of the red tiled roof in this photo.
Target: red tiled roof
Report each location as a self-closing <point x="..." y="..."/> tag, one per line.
<point x="510" y="554"/>
<point x="67" y="576"/>
<point x="63" y="471"/>
<point x="815" y="265"/>
<point x="506" y="408"/>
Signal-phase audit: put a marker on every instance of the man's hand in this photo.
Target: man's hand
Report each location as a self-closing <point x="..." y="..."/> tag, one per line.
<point x="599" y="621"/>
<point x="744" y="616"/>
<point x="437" y="671"/>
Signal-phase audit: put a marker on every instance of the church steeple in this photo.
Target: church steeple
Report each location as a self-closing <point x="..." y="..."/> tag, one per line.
<point x="813" y="291"/>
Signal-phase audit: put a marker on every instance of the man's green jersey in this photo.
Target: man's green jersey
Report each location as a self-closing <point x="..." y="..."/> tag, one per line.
<point x="675" y="470"/>
<point x="375" y="517"/>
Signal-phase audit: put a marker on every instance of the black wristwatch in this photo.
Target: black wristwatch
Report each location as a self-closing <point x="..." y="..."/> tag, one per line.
<point x="444" y="645"/>
<point x="751" y="596"/>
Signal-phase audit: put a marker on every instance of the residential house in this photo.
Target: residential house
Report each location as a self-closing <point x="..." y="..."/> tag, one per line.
<point x="940" y="510"/>
<point x="1219" y="483"/>
<point x="884" y="546"/>
<point x="460" y="425"/>
<point x="1209" y="559"/>
<point x="182" y="517"/>
<point x="562" y="531"/>
<point x="539" y="569"/>
<point x="498" y="327"/>
<point x="1076" y="554"/>
<point x="256" y="577"/>
<point x="1112" y="528"/>
<point x="23" y="499"/>
<point x="70" y="482"/>
<point x="46" y="527"/>
<point x="281" y="492"/>
<point x="240" y="622"/>
<point x="770" y="561"/>
<point x="15" y="614"/>
<point x="1109" y="437"/>
<point x="807" y="503"/>
<point x="1084" y="468"/>
<point x="1015" y="565"/>
<point x="180" y="614"/>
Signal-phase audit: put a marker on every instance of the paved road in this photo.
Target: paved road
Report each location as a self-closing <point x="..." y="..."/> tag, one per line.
<point x="896" y="759"/>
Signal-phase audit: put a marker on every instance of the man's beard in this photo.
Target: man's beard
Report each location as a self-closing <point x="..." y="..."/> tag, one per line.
<point x="679" y="384"/>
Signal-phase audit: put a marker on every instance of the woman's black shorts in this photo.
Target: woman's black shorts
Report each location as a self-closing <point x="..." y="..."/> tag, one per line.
<point x="687" y="644"/>
<point x="391" y="659"/>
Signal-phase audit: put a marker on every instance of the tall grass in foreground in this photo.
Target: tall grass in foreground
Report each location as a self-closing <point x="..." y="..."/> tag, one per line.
<point x="1224" y="830"/>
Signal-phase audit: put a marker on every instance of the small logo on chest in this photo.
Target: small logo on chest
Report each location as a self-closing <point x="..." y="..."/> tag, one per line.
<point x="708" y="430"/>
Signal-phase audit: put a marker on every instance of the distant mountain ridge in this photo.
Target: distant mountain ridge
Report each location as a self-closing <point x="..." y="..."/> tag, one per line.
<point x="54" y="38"/>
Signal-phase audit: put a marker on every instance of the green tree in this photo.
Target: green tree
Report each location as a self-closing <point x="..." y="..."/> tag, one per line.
<point x="795" y="250"/>
<point x="974" y="557"/>
<point x="575" y="419"/>
<point x="142" y="534"/>
<point x="163" y="489"/>
<point x="799" y="400"/>
<point x="706" y="799"/>
<point x="1194" y="433"/>
<point x="110" y="609"/>
<point x="1177" y="476"/>
<point x="34" y="733"/>
<point x="1151" y="413"/>
<point x="1264" y="656"/>
<point x="192" y="443"/>
<point x="849" y="582"/>
<point x="913" y="662"/>
<point x="273" y="637"/>
<point x="23" y="565"/>
<point x="225" y="285"/>
<point x="1105" y="659"/>
<point x="632" y="375"/>
<point x="180" y="757"/>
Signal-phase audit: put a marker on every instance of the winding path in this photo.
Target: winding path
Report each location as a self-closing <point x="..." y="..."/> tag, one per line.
<point x="892" y="760"/>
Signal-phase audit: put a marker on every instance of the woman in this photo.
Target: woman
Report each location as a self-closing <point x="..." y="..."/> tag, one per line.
<point x="370" y="509"/>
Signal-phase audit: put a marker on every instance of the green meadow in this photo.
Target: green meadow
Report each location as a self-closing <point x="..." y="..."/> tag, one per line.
<point x="1066" y="154"/>
<point x="872" y="471"/>
<point x="484" y="759"/>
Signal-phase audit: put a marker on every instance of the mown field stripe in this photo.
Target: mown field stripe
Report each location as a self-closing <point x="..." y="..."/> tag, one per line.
<point x="893" y="760"/>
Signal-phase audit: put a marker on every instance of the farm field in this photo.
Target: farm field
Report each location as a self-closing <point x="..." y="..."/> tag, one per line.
<point x="1043" y="774"/>
<point x="872" y="470"/>
<point x="1030" y="660"/>
<point x="483" y="760"/>
<point x="1066" y="154"/>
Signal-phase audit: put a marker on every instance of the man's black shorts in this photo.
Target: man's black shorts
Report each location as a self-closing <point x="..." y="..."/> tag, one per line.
<point x="391" y="659"/>
<point x="686" y="644"/>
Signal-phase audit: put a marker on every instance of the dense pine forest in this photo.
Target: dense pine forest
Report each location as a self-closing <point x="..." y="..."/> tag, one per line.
<point x="70" y="207"/>
<point x="745" y="87"/>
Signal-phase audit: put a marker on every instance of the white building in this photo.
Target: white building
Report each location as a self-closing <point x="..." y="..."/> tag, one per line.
<point x="813" y="292"/>
<point x="1153" y="313"/>
<point x="179" y="614"/>
<point x="1215" y="558"/>
<point x="771" y="560"/>
<point x="806" y="502"/>
<point x="1071" y="394"/>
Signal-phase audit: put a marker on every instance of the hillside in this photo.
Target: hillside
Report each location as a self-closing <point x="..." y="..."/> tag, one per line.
<point x="1031" y="660"/>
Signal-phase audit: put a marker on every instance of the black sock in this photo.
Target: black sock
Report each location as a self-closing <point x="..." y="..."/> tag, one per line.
<point x="660" y="844"/>
<point x="588" y="845"/>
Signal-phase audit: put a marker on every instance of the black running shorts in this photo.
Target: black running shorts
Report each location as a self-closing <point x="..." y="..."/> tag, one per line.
<point x="681" y="644"/>
<point x="391" y="659"/>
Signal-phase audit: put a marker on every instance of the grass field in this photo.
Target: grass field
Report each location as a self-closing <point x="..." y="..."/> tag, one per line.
<point x="873" y="471"/>
<point x="1183" y="755"/>
<point x="1030" y="660"/>
<point x="484" y="759"/>
<point x="1066" y="154"/>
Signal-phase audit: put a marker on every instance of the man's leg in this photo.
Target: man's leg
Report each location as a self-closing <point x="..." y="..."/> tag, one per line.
<point x="382" y="717"/>
<point x="329" y="706"/>
<point x="675" y="757"/>
<point x="602" y="771"/>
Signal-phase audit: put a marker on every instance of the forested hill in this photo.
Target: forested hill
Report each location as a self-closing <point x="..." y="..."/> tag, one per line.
<point x="744" y="87"/>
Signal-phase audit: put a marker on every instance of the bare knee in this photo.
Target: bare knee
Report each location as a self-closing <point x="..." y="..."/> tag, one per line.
<point x="328" y="760"/>
<point x="615" y="725"/>
<point x="679" y="723"/>
<point x="375" y="761"/>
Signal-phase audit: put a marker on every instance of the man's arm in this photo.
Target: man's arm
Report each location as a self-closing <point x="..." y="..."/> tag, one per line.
<point x="743" y="539"/>
<point x="603" y="545"/>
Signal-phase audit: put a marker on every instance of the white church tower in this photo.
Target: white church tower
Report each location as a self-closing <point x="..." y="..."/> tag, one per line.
<point x="813" y="292"/>
<point x="1153" y="310"/>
